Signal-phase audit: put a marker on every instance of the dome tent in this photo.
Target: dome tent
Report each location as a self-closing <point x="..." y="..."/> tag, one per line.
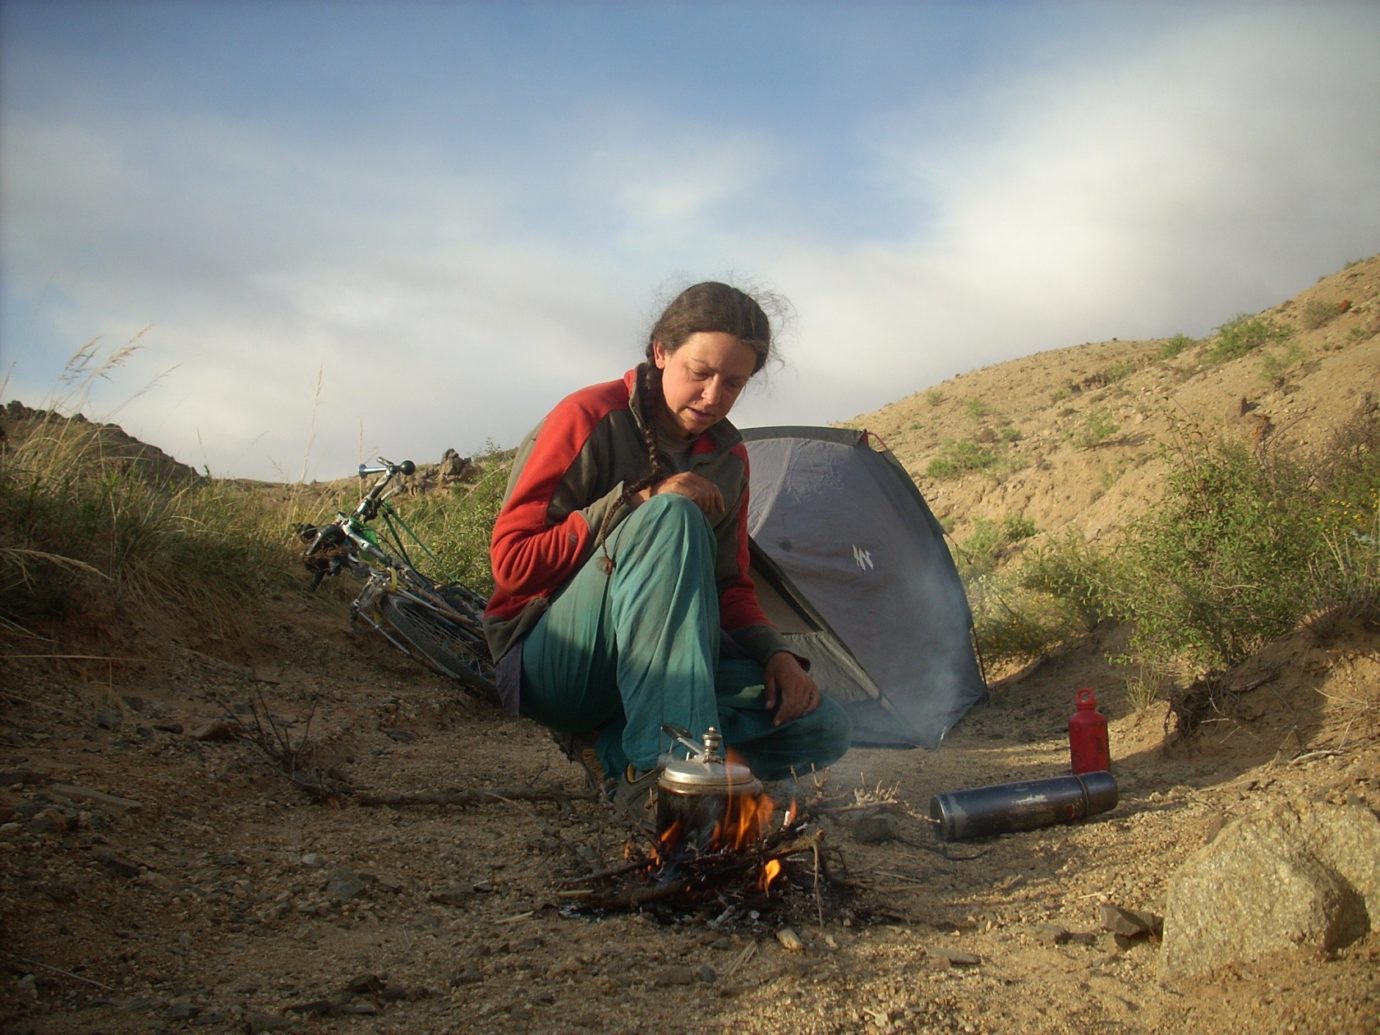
<point x="851" y="565"/>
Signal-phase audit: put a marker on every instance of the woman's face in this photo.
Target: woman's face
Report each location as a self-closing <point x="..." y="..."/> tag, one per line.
<point x="702" y="380"/>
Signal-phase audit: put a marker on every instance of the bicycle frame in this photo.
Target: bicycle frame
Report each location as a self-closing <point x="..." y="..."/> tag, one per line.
<point x="394" y="589"/>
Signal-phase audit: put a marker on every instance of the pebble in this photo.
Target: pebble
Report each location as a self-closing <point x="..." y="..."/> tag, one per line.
<point x="677" y="975"/>
<point x="467" y="975"/>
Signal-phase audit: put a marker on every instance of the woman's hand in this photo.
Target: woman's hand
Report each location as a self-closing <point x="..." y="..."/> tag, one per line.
<point x="791" y="692"/>
<point x="701" y="490"/>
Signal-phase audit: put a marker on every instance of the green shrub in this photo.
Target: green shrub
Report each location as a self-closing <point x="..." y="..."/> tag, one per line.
<point x="1244" y="546"/>
<point x="982" y="551"/>
<point x="1316" y="313"/>
<point x="1012" y="625"/>
<point x="1175" y="345"/>
<point x="1098" y="426"/>
<point x="1275" y="363"/>
<point x="1244" y="334"/>
<point x="956" y="458"/>
<point x="1074" y="574"/>
<point x="1346" y="572"/>
<point x="1119" y="371"/>
<point x="1215" y="571"/>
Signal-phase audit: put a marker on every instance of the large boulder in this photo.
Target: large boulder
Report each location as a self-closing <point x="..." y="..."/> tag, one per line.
<point x="1302" y="874"/>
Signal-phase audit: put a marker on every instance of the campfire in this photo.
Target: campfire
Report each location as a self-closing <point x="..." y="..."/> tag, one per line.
<point x="720" y="840"/>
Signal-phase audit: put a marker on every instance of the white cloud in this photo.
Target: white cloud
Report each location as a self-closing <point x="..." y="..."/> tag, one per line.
<point x="450" y="294"/>
<point x="1220" y="169"/>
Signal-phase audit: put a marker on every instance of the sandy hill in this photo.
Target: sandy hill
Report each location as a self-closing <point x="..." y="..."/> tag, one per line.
<point x="1077" y="433"/>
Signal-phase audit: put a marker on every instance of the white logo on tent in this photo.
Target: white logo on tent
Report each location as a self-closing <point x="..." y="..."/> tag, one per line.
<point x="863" y="558"/>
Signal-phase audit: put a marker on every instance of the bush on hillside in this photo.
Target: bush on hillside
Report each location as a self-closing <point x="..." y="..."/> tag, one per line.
<point x="1244" y="334"/>
<point x="1245" y="545"/>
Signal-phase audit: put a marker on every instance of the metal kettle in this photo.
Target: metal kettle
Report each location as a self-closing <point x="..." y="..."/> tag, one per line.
<point x="698" y="791"/>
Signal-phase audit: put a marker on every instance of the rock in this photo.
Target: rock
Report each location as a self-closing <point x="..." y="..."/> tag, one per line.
<point x="790" y="941"/>
<point x="256" y="1023"/>
<point x="954" y="958"/>
<point x="117" y="865"/>
<point x="453" y="467"/>
<point x="345" y="884"/>
<point x="677" y="975"/>
<point x="467" y="975"/>
<point x="1300" y="875"/>
<point x="76" y="793"/>
<point x="1053" y="934"/>
<point x="366" y="984"/>
<point x="219" y="730"/>
<point x="1128" y="923"/>
<point x="453" y="894"/>
<point x="49" y="821"/>
<point x="22" y="778"/>
<point x="315" y="1007"/>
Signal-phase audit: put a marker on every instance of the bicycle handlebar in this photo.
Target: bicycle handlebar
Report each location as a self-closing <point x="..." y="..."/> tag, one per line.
<point x="389" y="468"/>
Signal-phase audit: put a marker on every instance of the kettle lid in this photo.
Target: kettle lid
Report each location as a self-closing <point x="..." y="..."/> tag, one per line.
<point x="706" y="770"/>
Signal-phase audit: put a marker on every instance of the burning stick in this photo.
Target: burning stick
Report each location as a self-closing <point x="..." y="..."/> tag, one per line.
<point x="688" y="878"/>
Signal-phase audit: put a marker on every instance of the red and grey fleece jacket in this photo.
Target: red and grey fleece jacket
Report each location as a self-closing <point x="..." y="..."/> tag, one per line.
<point x="569" y="471"/>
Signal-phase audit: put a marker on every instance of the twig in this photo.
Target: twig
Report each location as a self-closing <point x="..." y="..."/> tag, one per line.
<point x="37" y="704"/>
<point x="833" y="810"/>
<point x="69" y="657"/>
<point x="740" y="959"/>
<point x="605" y="874"/>
<point x="58" y="970"/>
<point x="900" y="876"/>
<point x="472" y="797"/>
<point x="634" y="898"/>
<point x="1308" y="756"/>
<point x="818" y="882"/>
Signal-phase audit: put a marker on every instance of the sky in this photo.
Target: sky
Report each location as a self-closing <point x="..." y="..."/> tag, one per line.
<point x="293" y="236"/>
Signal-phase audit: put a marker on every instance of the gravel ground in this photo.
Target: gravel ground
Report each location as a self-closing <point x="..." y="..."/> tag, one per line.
<point x="156" y="875"/>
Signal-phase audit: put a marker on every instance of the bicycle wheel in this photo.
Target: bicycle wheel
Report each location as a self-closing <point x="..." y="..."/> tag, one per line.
<point x="448" y="648"/>
<point x="464" y="600"/>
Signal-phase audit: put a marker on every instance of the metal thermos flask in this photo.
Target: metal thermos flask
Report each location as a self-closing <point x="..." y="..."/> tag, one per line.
<point x="1008" y="807"/>
<point x="1089" y="751"/>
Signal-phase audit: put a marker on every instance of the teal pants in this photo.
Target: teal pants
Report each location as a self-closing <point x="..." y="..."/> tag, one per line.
<point x="618" y="654"/>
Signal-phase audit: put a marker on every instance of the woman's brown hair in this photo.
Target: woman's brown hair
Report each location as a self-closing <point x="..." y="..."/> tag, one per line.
<point x="707" y="307"/>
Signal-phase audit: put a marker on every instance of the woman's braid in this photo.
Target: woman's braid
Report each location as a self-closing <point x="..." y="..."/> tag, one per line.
<point x="649" y="395"/>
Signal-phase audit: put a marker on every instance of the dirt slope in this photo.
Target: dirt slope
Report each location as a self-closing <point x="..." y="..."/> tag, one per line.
<point x="156" y="877"/>
<point x="1078" y="431"/>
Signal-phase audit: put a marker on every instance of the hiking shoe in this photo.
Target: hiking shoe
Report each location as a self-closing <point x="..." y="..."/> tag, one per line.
<point x="634" y="797"/>
<point x="581" y="748"/>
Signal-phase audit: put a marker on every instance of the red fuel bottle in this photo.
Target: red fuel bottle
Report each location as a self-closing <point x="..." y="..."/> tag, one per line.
<point x="1088" y="748"/>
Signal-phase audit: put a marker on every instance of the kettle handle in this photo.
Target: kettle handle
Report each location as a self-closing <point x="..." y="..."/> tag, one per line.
<point x="706" y="751"/>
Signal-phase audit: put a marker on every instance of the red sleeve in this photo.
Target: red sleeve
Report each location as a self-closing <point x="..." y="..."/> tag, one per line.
<point x="738" y="606"/>
<point x="536" y="546"/>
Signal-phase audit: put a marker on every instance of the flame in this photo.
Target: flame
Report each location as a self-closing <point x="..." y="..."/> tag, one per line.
<point x="770" y="872"/>
<point x="671" y="834"/>
<point x="745" y="821"/>
<point x="749" y="816"/>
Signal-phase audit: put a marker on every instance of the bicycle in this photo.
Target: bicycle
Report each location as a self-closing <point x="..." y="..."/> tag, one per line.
<point x="438" y="624"/>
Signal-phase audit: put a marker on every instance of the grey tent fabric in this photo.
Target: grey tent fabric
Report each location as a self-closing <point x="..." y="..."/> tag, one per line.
<point x="851" y="565"/>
